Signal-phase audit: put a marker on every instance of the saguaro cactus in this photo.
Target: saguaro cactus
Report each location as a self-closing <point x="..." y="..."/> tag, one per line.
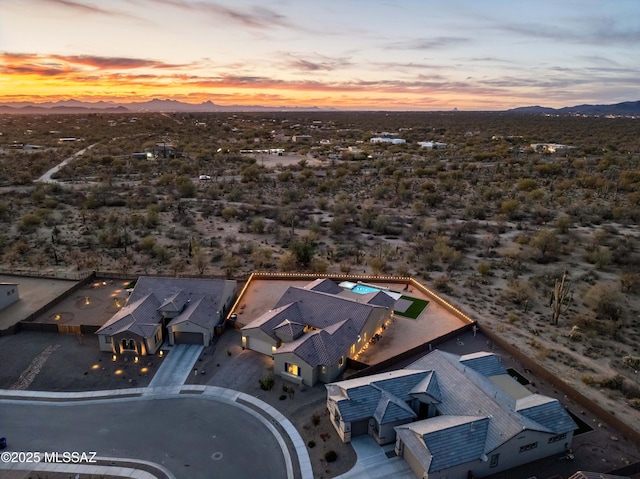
<point x="560" y="298"/>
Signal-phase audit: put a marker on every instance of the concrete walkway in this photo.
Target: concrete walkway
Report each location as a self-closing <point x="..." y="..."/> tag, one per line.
<point x="176" y="367"/>
<point x="373" y="462"/>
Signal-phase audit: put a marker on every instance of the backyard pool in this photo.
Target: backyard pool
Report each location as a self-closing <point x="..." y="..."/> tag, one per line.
<point x="363" y="289"/>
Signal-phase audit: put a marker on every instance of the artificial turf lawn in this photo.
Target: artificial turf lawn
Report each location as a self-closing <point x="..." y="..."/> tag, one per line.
<point x="413" y="311"/>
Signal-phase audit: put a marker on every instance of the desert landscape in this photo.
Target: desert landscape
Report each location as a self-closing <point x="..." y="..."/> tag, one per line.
<point x="528" y="223"/>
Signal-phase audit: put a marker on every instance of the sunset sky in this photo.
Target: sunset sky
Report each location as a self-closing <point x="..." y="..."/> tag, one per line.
<point x="347" y="54"/>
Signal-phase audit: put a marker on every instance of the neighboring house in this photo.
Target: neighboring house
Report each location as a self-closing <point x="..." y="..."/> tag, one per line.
<point x="180" y="310"/>
<point x="8" y="294"/>
<point x="393" y="141"/>
<point x="432" y="145"/>
<point x="550" y="147"/>
<point x="301" y="138"/>
<point x="312" y="330"/>
<point x="452" y="416"/>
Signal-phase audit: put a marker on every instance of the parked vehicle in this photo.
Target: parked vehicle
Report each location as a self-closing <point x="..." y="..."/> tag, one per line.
<point x="3" y="442"/>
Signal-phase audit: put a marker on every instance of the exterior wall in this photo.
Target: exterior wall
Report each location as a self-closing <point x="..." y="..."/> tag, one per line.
<point x="509" y="456"/>
<point x="104" y="344"/>
<point x="412" y="460"/>
<point x="330" y="373"/>
<point x="190" y="328"/>
<point x="8" y="295"/>
<point x="140" y="346"/>
<point x="375" y="320"/>
<point x="258" y="344"/>
<point x="308" y="375"/>
<point x="343" y="429"/>
<point x="153" y="343"/>
<point x="385" y="433"/>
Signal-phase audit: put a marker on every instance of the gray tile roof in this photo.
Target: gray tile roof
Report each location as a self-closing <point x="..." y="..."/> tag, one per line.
<point x="466" y="392"/>
<point x="289" y="328"/>
<point x="215" y="290"/>
<point x="140" y="317"/>
<point x="270" y="320"/>
<point x="324" y="286"/>
<point x="487" y="364"/>
<point x="174" y="303"/>
<point x="391" y="409"/>
<point x="380" y="299"/>
<point x="337" y="321"/>
<point x="320" y="309"/>
<point x="452" y="440"/>
<point x="323" y="347"/>
<point x="198" y="300"/>
<point x="200" y="312"/>
<point x="359" y="398"/>
<point x="429" y="386"/>
<point x="547" y="412"/>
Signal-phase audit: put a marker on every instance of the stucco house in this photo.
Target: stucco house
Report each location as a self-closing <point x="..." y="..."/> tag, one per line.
<point x="312" y="330"/>
<point x="452" y="416"/>
<point x="179" y="310"/>
<point x="8" y="294"/>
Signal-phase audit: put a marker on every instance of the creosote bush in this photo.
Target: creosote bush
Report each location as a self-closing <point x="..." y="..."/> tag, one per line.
<point x="267" y="383"/>
<point x="330" y="456"/>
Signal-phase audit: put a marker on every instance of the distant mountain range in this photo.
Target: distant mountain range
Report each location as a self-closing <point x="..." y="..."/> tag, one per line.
<point x="155" y="105"/>
<point x="629" y="108"/>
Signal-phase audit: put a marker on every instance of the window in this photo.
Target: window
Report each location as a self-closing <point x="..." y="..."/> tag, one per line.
<point x="559" y="437"/>
<point x="494" y="460"/>
<point x="341" y="361"/>
<point x="107" y="339"/>
<point x="528" y="447"/>
<point x="292" y="369"/>
<point x="129" y="344"/>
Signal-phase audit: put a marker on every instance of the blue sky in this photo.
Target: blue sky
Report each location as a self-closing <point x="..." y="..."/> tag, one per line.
<point x="349" y="54"/>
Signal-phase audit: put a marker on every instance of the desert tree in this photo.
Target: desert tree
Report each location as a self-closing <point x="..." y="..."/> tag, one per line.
<point x="560" y="299"/>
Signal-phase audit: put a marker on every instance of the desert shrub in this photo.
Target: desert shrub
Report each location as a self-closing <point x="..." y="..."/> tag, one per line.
<point x="311" y="444"/>
<point x="615" y="382"/>
<point x="267" y="383"/>
<point x="330" y="456"/>
<point x="441" y="283"/>
<point x="588" y="380"/>
<point x="315" y="419"/>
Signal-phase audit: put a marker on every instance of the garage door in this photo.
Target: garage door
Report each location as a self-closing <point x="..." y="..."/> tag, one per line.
<point x="181" y="337"/>
<point x="258" y="345"/>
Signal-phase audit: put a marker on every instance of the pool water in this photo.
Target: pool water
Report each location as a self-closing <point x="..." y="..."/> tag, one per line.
<point x="362" y="289"/>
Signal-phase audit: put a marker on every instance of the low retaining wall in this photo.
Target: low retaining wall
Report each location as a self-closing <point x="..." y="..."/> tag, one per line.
<point x="560" y="385"/>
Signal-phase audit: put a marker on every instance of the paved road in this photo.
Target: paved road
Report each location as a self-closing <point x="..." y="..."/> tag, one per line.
<point x="46" y="178"/>
<point x="192" y="437"/>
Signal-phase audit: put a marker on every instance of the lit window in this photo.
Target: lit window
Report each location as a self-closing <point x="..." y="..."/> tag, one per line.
<point x="292" y="369"/>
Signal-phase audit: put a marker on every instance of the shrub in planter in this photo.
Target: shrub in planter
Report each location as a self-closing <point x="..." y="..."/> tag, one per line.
<point x="330" y="456"/>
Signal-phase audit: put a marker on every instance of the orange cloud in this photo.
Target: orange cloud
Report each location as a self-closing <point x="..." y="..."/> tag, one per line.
<point x="132" y="79"/>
